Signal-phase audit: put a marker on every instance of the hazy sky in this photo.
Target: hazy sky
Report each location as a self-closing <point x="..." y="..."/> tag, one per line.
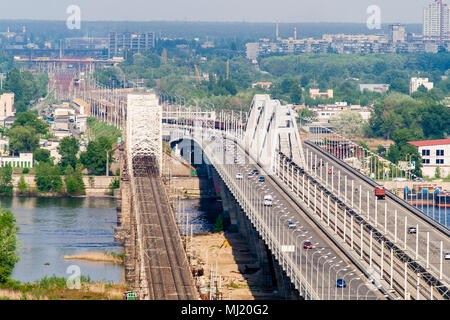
<point x="405" y="11"/>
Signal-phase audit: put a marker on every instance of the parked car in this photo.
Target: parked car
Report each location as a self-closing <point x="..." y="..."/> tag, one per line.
<point x="261" y="179"/>
<point x="307" y="245"/>
<point x="412" y="230"/>
<point x="239" y="176"/>
<point x="340" y="283"/>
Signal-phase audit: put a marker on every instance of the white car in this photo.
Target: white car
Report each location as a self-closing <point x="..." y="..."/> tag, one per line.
<point x="412" y="230"/>
<point x="447" y="256"/>
<point x="239" y="176"/>
<point x="268" y="201"/>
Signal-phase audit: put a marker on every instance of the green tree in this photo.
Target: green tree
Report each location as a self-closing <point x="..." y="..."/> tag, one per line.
<point x="30" y="119"/>
<point x="8" y="244"/>
<point x="295" y="94"/>
<point x="399" y="85"/>
<point x="94" y="158"/>
<point x="42" y="155"/>
<point x="23" y="139"/>
<point x="306" y="115"/>
<point x="23" y="186"/>
<point x="48" y="178"/>
<point x="6" y="186"/>
<point x="115" y="184"/>
<point x="437" y="173"/>
<point x="68" y="149"/>
<point x="218" y="226"/>
<point x="349" y="123"/>
<point x="74" y="181"/>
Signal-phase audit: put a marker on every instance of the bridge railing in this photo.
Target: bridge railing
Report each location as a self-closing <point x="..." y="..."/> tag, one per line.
<point x="371" y="165"/>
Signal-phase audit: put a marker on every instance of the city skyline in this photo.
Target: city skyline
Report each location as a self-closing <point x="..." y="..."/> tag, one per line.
<point x="282" y="11"/>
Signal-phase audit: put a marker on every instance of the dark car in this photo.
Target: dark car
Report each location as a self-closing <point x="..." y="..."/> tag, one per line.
<point x="340" y="283"/>
<point x="261" y="179"/>
<point x="255" y="171"/>
<point x="307" y="245"/>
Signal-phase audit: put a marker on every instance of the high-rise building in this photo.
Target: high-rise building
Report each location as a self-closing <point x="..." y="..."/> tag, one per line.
<point x="397" y="33"/>
<point x="436" y="22"/>
<point x="252" y="50"/>
<point x="136" y="42"/>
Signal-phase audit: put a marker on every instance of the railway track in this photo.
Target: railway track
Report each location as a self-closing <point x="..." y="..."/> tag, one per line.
<point x="167" y="268"/>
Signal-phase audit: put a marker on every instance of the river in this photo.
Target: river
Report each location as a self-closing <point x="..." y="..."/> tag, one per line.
<point x="51" y="228"/>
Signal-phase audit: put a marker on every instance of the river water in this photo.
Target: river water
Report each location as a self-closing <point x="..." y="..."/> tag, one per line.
<point x="51" y="228"/>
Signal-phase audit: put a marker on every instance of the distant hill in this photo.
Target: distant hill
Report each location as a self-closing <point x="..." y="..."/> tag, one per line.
<point x="243" y="31"/>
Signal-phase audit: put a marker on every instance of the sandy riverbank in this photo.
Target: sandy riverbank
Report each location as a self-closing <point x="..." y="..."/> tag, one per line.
<point x="231" y="263"/>
<point x="95" y="256"/>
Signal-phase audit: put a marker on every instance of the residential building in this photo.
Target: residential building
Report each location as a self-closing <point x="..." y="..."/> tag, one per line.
<point x="252" y="50"/>
<point x="415" y="83"/>
<point x="6" y="106"/>
<point x="436" y="22"/>
<point x="435" y="154"/>
<point x="136" y="42"/>
<point x="397" y="33"/>
<point x="315" y="93"/>
<point x="327" y="112"/>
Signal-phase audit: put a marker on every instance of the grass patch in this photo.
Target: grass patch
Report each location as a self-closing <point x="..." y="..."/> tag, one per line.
<point x="55" y="288"/>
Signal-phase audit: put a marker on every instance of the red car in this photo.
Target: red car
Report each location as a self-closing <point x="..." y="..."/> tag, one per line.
<point x="307" y="245"/>
<point x="330" y="171"/>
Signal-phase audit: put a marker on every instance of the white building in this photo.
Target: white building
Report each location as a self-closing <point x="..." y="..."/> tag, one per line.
<point x="435" y="153"/>
<point x="24" y="160"/>
<point x="397" y="33"/>
<point x="6" y="106"/>
<point x="252" y="50"/>
<point x="436" y="22"/>
<point x="415" y="83"/>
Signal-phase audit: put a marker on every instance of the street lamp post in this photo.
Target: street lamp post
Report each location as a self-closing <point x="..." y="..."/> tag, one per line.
<point x="349" y="284"/>
<point x="323" y="269"/>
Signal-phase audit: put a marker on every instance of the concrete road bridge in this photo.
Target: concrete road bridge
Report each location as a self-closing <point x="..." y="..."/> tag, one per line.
<point x="353" y="236"/>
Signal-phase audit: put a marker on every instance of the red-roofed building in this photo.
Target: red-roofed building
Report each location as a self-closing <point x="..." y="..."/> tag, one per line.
<point x="435" y="153"/>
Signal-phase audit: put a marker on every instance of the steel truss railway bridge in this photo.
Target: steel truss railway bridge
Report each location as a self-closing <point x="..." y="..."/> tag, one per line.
<point x="330" y="201"/>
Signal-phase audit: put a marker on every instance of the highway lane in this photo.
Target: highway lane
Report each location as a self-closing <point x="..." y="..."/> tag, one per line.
<point x="363" y="198"/>
<point x="324" y="263"/>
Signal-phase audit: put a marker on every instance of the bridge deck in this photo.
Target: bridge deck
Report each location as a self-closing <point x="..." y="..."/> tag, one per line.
<point x="168" y="272"/>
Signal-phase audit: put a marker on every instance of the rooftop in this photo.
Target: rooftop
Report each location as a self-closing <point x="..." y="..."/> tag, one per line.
<point x="427" y="143"/>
